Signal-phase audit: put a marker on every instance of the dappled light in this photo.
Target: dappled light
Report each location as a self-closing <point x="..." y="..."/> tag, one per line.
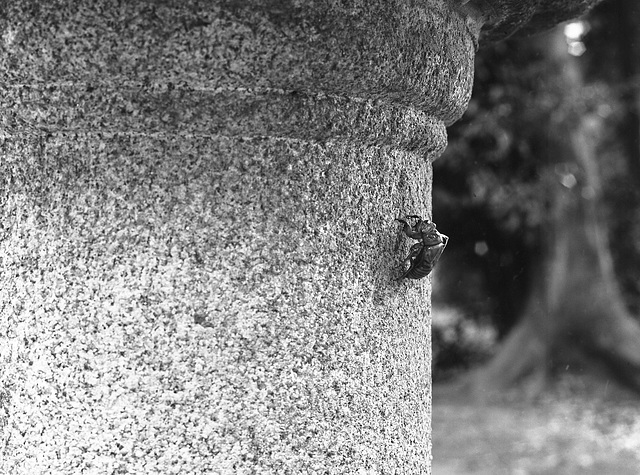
<point x="574" y="32"/>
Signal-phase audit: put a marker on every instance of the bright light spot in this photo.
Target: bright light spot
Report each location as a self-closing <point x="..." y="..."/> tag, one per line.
<point x="604" y="110"/>
<point x="481" y="248"/>
<point x="588" y="193"/>
<point x="573" y="33"/>
<point x="577" y="48"/>
<point x="575" y="30"/>
<point x="569" y="180"/>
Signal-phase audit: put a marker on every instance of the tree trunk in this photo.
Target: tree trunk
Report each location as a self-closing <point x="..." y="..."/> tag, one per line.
<point x="576" y="307"/>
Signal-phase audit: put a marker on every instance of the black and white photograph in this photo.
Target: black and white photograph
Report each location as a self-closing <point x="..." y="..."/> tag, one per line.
<point x="319" y="237"/>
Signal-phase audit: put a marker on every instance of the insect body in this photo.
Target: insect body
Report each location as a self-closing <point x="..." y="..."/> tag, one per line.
<point x="423" y="255"/>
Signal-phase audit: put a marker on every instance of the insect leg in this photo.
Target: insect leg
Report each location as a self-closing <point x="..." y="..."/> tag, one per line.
<point x="413" y="253"/>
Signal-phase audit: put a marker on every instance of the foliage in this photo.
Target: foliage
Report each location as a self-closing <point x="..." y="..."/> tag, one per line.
<point x="614" y="45"/>
<point x="458" y="342"/>
<point x="488" y="185"/>
<point x="491" y="186"/>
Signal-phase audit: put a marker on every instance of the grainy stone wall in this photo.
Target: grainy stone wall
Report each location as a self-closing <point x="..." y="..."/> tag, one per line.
<point x="197" y="245"/>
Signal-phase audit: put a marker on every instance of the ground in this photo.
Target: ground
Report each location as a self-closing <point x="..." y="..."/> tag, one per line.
<point x="575" y="428"/>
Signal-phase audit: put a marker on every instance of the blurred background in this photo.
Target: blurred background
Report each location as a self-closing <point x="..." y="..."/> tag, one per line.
<point x="536" y="299"/>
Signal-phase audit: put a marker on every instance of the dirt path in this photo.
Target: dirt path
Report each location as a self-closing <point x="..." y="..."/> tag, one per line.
<point x="573" y="435"/>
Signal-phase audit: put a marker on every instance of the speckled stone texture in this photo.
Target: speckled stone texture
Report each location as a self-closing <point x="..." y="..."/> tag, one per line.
<point x="197" y="237"/>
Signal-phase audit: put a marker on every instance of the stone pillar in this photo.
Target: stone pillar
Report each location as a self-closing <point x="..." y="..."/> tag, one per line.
<point x="197" y="236"/>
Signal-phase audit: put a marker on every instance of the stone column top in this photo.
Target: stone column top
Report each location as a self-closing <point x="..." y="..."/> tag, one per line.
<point x="502" y="18"/>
